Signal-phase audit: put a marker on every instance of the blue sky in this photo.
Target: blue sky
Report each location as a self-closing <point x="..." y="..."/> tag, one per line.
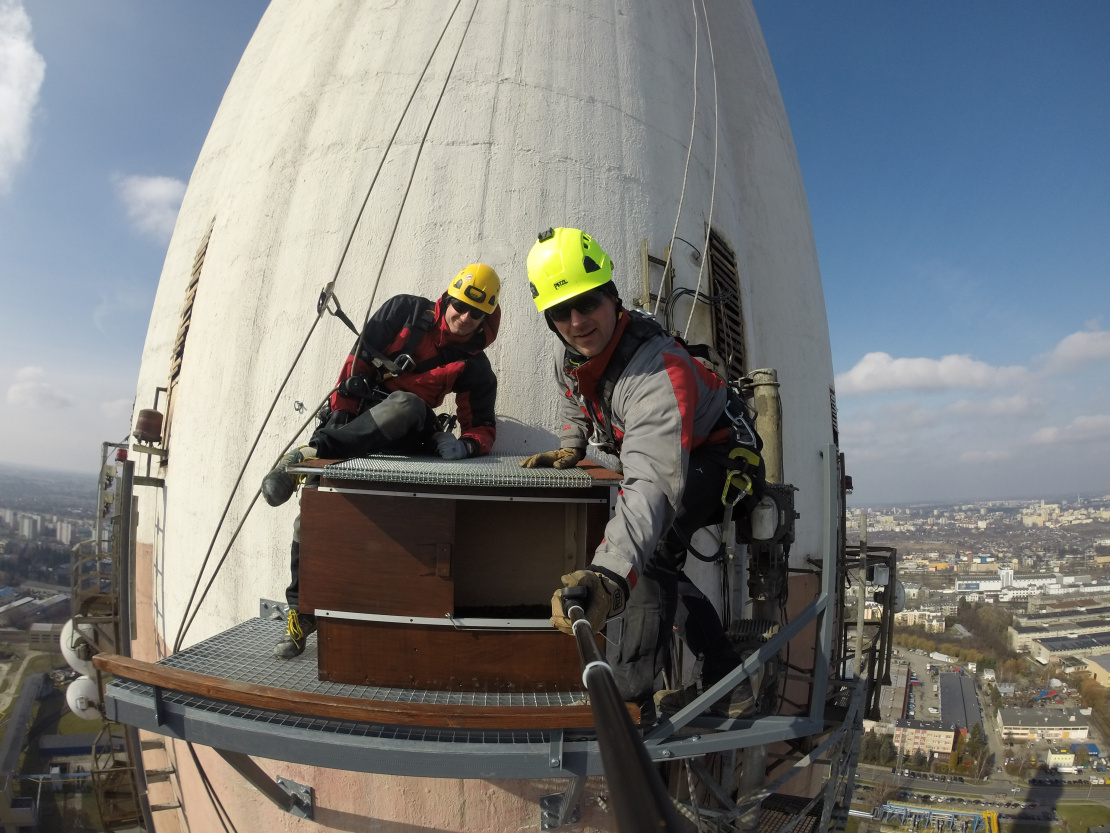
<point x="954" y="155"/>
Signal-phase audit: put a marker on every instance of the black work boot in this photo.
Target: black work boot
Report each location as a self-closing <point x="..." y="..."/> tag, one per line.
<point x="298" y="628"/>
<point x="278" y="486"/>
<point x="740" y="702"/>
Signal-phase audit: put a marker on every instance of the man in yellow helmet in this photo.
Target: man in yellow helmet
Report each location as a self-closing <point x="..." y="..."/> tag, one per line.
<point x="632" y="389"/>
<point x="411" y="354"/>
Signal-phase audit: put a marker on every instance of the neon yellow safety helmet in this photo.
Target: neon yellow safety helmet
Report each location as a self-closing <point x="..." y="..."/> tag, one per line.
<point x="563" y="263"/>
<point x="477" y="285"/>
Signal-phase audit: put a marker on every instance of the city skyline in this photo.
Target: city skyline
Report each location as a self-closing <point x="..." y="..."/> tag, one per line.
<point x="952" y="158"/>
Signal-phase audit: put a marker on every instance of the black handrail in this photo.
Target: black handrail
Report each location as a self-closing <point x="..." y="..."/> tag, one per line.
<point x="639" y="799"/>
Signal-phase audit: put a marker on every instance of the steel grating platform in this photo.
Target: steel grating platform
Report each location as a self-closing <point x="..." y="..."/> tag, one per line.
<point x="778" y="810"/>
<point x="243" y="653"/>
<point x="495" y="470"/>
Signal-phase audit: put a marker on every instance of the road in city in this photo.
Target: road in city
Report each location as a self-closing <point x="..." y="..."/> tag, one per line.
<point x="995" y="789"/>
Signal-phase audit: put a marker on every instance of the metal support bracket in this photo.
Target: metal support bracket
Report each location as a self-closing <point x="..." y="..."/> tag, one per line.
<point x="295" y="799"/>
<point x="303" y="797"/>
<point x="561" y="809"/>
<point x="556" y="756"/>
<point x="159" y="710"/>
<point x="269" y="609"/>
<point x="148" y="449"/>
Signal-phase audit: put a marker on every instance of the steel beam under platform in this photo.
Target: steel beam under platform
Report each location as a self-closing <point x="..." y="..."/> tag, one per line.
<point x="241" y="659"/>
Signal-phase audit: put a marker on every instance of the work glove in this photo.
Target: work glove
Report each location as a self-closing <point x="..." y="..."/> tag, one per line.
<point x="449" y="447"/>
<point x="607" y="598"/>
<point x="564" y="458"/>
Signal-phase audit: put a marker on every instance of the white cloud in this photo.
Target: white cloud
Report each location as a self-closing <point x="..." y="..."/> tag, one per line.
<point x="152" y="202"/>
<point x="999" y="406"/>
<point x="882" y="372"/>
<point x="22" y="69"/>
<point x="31" y="390"/>
<point x="1079" y="349"/>
<point x="1083" y="429"/>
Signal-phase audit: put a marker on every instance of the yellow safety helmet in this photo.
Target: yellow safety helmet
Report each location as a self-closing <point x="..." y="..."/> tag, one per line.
<point x="563" y="263"/>
<point x="477" y="285"/>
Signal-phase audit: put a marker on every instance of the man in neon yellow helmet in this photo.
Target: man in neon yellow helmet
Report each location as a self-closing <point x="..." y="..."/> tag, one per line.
<point x="411" y="354"/>
<point x="628" y="387"/>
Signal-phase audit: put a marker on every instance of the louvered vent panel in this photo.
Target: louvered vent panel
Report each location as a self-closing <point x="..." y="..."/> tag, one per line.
<point x="728" y="318"/>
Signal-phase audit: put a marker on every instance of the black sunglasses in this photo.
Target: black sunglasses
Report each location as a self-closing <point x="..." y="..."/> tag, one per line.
<point x="583" y="304"/>
<point x="462" y="307"/>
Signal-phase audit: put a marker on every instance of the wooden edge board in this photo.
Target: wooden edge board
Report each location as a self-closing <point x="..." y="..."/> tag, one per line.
<point x="350" y="708"/>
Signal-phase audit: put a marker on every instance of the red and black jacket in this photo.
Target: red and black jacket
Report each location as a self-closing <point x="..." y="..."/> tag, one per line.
<point x="453" y="364"/>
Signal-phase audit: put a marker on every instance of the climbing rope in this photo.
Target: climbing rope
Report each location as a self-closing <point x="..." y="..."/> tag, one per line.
<point x="713" y="180"/>
<point x="213" y="796"/>
<point x="412" y="173"/>
<point x="189" y="615"/>
<point x="685" y="170"/>
<point x="187" y="619"/>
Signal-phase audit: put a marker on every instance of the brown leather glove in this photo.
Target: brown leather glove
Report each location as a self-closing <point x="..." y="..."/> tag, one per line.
<point x="607" y="598"/>
<point x="564" y="458"/>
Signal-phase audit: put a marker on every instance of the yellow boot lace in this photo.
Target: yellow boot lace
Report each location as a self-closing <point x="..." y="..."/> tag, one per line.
<point x="293" y="627"/>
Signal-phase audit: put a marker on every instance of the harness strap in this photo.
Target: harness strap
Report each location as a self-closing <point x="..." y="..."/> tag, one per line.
<point x="639" y="329"/>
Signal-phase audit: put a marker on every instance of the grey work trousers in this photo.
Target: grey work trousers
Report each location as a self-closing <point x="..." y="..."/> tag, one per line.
<point x="663" y="594"/>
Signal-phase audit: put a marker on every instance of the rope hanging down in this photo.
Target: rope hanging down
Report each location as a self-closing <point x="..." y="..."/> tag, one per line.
<point x="713" y="181"/>
<point x="189" y="615"/>
<point x="686" y="169"/>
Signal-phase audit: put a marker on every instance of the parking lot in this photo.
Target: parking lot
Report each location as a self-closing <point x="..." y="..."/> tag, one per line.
<point x="921" y="697"/>
<point x="1016" y="810"/>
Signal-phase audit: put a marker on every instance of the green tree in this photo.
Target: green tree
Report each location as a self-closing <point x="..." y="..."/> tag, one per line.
<point x="919" y="761"/>
<point x="996" y="699"/>
<point x="869" y="747"/>
<point x="887" y="753"/>
<point x="1082" y="756"/>
<point x="957" y="753"/>
<point x="976" y="740"/>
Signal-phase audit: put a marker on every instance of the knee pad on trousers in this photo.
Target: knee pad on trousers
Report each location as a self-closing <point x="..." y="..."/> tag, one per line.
<point x="399" y="415"/>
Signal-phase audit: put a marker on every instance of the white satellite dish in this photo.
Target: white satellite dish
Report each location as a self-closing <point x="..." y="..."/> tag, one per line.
<point x="898" y="604"/>
<point x="83" y="698"/>
<point x="899" y="597"/>
<point x="74" y="638"/>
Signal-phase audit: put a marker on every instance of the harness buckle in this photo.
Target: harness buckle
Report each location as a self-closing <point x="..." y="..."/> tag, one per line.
<point x="737" y="477"/>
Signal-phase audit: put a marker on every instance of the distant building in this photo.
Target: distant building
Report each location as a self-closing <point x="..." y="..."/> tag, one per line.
<point x="1006" y="689"/>
<point x="916" y="592"/>
<point x="927" y="737"/>
<point x="1074" y="645"/>
<point x="1060" y="757"/>
<point x="959" y="706"/>
<point x="1042" y="724"/>
<point x="1099" y="667"/>
<point x="28" y="527"/>
<point x="1074" y="665"/>
<point x="52" y="606"/>
<point x="70" y="746"/>
<point x="46" y="637"/>
<point x="64" y="532"/>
